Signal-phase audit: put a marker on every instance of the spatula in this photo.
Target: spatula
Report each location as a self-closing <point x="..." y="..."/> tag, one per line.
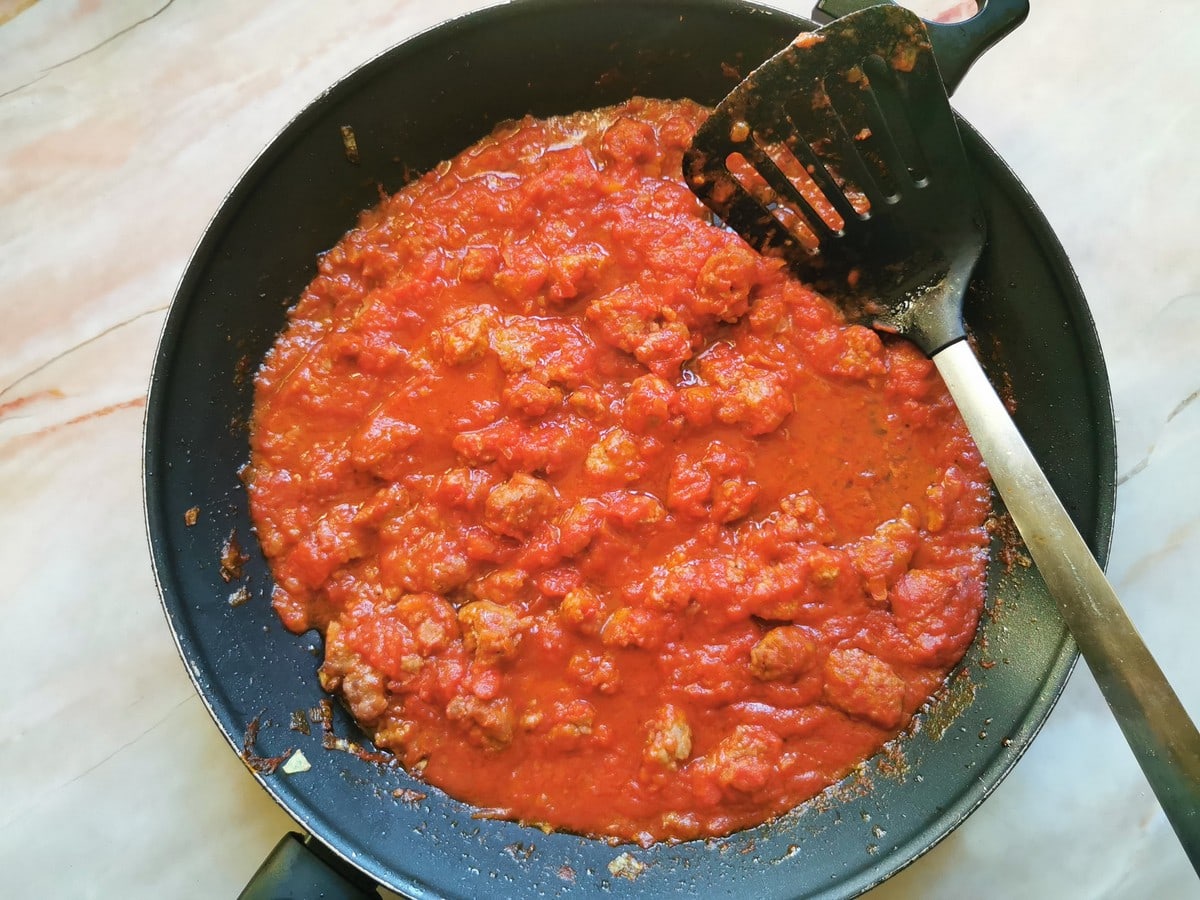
<point x="841" y="154"/>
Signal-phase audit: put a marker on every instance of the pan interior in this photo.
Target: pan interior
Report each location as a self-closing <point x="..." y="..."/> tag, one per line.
<point x="410" y="108"/>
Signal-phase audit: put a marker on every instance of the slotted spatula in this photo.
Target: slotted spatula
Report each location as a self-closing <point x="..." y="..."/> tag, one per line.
<point x="842" y="155"/>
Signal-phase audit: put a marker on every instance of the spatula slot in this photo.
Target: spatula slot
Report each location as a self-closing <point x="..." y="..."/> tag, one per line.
<point x="734" y="191"/>
<point x="933" y="130"/>
<point x="802" y="197"/>
<point x="859" y="116"/>
<point x="889" y="89"/>
<point x="831" y="154"/>
<point x="870" y="101"/>
<point x="791" y="211"/>
<point x="800" y="177"/>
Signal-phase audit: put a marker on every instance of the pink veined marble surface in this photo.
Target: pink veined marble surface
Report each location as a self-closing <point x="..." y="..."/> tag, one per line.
<point x="122" y="126"/>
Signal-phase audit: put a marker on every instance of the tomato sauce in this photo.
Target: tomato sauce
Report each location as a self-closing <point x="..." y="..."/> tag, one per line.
<point x="609" y="523"/>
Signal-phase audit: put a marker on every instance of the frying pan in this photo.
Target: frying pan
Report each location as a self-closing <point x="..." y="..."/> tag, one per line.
<point x="410" y="108"/>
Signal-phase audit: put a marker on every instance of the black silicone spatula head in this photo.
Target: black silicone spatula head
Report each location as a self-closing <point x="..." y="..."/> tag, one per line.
<point x="841" y="154"/>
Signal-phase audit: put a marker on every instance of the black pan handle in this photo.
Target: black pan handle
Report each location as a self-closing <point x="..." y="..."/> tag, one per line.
<point x="301" y="868"/>
<point x="957" y="45"/>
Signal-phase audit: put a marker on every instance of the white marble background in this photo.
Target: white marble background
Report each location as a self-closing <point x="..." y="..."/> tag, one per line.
<point x="122" y="125"/>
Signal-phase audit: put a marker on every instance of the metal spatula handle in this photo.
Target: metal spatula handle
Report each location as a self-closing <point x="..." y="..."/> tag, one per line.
<point x="1157" y="727"/>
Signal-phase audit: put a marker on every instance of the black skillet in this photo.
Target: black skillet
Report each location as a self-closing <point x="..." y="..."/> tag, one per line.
<point x="410" y="108"/>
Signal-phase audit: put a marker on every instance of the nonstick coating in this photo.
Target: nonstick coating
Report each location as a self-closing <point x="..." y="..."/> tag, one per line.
<point x="410" y="108"/>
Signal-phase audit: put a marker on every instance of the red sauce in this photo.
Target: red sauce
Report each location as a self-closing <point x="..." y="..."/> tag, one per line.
<point x="610" y="524"/>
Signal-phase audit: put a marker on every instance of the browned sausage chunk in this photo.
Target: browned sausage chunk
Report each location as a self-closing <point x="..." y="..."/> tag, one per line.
<point x="783" y="652"/>
<point x="488" y="723"/>
<point x="519" y="505"/>
<point x="668" y="737"/>
<point x="491" y="631"/>
<point x="864" y="686"/>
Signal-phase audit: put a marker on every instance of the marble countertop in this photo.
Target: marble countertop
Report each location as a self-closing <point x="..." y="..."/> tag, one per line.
<point x="122" y="125"/>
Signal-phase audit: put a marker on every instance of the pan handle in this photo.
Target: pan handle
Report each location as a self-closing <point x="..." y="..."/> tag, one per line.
<point x="956" y="45"/>
<point x="300" y="868"/>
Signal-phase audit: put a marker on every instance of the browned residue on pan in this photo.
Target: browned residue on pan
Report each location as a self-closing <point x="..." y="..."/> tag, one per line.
<point x="520" y="851"/>
<point x="993" y="355"/>
<point x="959" y="695"/>
<point x="241" y="368"/>
<point x="322" y="714"/>
<point x="409" y="796"/>
<point x="350" y="144"/>
<point x="854" y="786"/>
<point x="626" y="866"/>
<point x="892" y="763"/>
<point x="1011" y="551"/>
<point x="232" y="558"/>
<point x="263" y="765"/>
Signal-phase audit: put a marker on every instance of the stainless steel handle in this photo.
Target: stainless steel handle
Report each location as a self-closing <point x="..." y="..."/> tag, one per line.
<point x="1157" y="727"/>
